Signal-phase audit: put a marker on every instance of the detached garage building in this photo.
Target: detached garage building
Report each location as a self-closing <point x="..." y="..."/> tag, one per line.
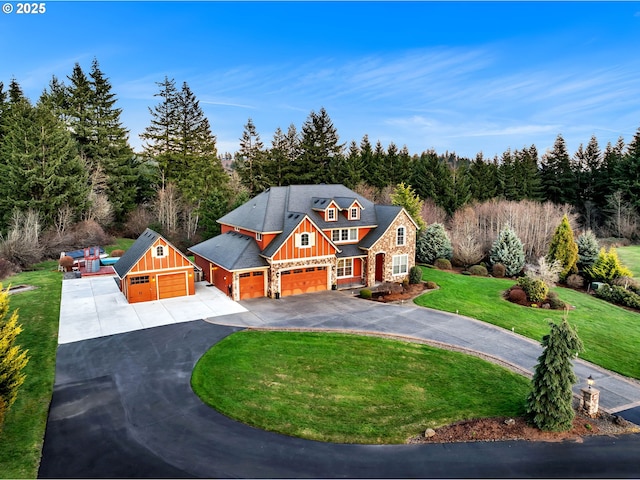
<point x="153" y="269"/>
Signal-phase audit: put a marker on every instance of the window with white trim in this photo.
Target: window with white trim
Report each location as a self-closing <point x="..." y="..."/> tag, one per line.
<point x="345" y="267"/>
<point x="160" y="251"/>
<point x="258" y="237"/>
<point x="344" y="235"/>
<point x="305" y="239"/>
<point x="331" y="215"/>
<point x="400" y="236"/>
<point x="354" y="213"/>
<point x="400" y="264"/>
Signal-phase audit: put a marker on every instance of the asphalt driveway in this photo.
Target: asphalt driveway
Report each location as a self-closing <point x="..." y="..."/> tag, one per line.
<point x="123" y="407"/>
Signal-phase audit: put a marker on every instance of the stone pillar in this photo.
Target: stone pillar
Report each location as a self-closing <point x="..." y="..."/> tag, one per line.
<point x="590" y="401"/>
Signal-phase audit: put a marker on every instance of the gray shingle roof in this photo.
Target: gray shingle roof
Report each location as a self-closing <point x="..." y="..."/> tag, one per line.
<point x="386" y="214"/>
<point x="135" y="252"/>
<point x="231" y="250"/>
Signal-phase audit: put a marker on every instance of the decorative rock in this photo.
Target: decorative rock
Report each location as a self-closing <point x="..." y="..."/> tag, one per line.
<point x="509" y="421"/>
<point x="429" y="432"/>
<point x="618" y="420"/>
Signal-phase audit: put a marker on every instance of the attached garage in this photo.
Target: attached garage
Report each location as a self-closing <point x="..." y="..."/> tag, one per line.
<point x="304" y="280"/>
<point x="252" y="284"/>
<point x="153" y="269"/>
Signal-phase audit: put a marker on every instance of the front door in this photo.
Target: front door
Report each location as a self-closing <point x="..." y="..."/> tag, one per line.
<point x="379" y="267"/>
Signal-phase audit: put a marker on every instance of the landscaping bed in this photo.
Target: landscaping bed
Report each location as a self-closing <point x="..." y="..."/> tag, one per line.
<point x="397" y="292"/>
<point x="505" y="428"/>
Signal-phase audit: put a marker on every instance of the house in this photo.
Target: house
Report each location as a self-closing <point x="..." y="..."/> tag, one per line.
<point x="153" y="269"/>
<point x="306" y="238"/>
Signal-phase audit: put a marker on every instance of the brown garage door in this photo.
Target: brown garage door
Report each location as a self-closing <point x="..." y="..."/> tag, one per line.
<point x="172" y="285"/>
<point x="303" y="280"/>
<point x="251" y="285"/>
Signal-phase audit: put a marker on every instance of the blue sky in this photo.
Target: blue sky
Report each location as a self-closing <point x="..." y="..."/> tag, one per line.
<point x="467" y="77"/>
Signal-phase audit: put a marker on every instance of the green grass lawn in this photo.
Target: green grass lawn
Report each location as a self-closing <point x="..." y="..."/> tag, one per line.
<point x="610" y="334"/>
<point x="23" y="431"/>
<point x="630" y="257"/>
<point x="350" y="389"/>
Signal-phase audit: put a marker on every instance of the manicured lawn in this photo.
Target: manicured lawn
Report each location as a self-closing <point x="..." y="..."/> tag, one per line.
<point x="611" y="335"/>
<point x="350" y="389"/>
<point x="630" y="257"/>
<point x="23" y="431"/>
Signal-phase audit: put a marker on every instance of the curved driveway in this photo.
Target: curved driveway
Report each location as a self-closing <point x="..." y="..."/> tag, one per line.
<point x="123" y="407"/>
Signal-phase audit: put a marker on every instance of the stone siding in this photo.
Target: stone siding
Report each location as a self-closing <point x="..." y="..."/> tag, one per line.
<point x="273" y="286"/>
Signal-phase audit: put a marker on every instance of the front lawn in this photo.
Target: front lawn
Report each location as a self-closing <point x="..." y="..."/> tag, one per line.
<point x="350" y="389"/>
<point x="610" y="334"/>
<point x="39" y="310"/>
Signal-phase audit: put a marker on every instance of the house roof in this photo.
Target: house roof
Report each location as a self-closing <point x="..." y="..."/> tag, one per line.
<point x="136" y="251"/>
<point x="266" y="213"/>
<point x="386" y="214"/>
<point x="350" y="250"/>
<point x="232" y="251"/>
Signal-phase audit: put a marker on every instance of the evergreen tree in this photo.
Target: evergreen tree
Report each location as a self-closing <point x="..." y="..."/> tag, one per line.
<point x="79" y="114"/>
<point x="251" y="159"/>
<point x="161" y="136"/>
<point x="367" y="160"/>
<point x="628" y="173"/>
<point x="588" y="164"/>
<point x="564" y="248"/>
<point x="109" y="146"/>
<point x="549" y="404"/>
<point x="404" y="165"/>
<point x="318" y="145"/>
<point x="433" y="243"/>
<point x="404" y="196"/>
<point x="393" y="173"/>
<point x="483" y="179"/>
<point x="41" y="167"/>
<point x="291" y="147"/>
<point x="353" y="171"/>
<point x="507" y="177"/>
<point x="609" y="174"/>
<point x="277" y="161"/>
<point x="378" y="175"/>
<point x="588" y="249"/>
<point x="527" y="175"/>
<point x="507" y="249"/>
<point x="558" y="176"/>
<point x="13" y="358"/>
<point x="432" y="178"/>
<point x="607" y="267"/>
<point x="15" y="93"/>
<point x="460" y="192"/>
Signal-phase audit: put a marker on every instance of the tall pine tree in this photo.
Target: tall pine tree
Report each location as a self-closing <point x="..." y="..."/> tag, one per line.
<point x="558" y="175"/>
<point x="319" y="143"/>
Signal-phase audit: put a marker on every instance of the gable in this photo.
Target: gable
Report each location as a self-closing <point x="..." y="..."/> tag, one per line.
<point x="145" y="256"/>
<point x="304" y="240"/>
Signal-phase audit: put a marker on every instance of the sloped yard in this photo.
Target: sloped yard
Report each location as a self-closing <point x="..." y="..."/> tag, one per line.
<point x="611" y="334"/>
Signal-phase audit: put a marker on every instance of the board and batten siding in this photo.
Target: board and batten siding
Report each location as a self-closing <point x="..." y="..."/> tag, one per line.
<point x="319" y="245"/>
<point x="150" y="263"/>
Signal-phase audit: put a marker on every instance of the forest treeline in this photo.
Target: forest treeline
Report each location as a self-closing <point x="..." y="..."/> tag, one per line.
<point x="69" y="173"/>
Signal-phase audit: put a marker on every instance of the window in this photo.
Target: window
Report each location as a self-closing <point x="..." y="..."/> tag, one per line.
<point x="331" y="215"/>
<point x="345" y="267"/>
<point x="305" y="240"/>
<point x="258" y="237"/>
<point x="159" y="251"/>
<point x="139" y="280"/>
<point x="400" y="264"/>
<point x="236" y="229"/>
<point x="344" y="235"/>
<point x="354" y="213"/>
<point x="400" y="236"/>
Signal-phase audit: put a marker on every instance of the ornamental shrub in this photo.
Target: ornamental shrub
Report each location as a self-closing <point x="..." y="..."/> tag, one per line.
<point x="365" y="293"/>
<point x="588" y="249"/>
<point x="517" y="295"/>
<point x="535" y="288"/>
<point x="607" y="267"/>
<point x="575" y="281"/>
<point x="478" y="270"/>
<point x="550" y="402"/>
<point x="554" y="301"/>
<point x="508" y="250"/>
<point x="498" y="270"/>
<point x="433" y="243"/>
<point x="564" y="249"/>
<point x="415" y="275"/>
<point x="442" y="264"/>
<point x="431" y="285"/>
<point x="619" y="296"/>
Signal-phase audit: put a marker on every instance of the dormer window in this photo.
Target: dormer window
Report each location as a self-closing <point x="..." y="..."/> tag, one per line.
<point x="331" y="215"/>
<point x="258" y="237"/>
<point x="354" y="213"/>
